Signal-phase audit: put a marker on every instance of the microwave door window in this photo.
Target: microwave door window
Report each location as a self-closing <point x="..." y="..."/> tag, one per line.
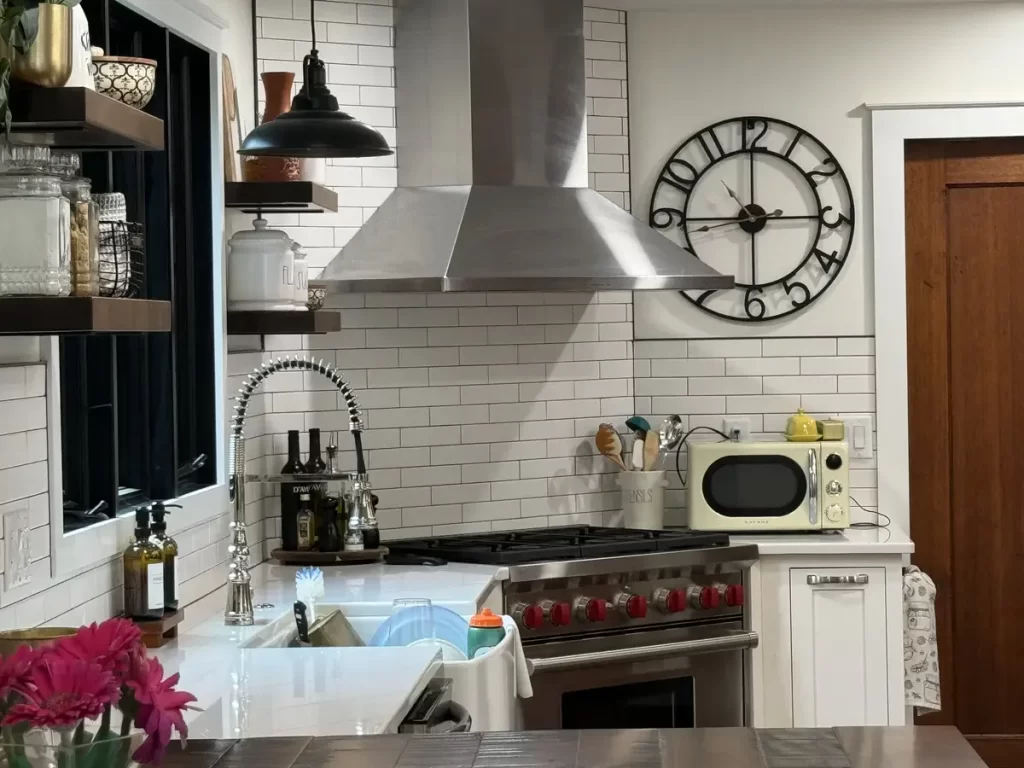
<point x="755" y="486"/>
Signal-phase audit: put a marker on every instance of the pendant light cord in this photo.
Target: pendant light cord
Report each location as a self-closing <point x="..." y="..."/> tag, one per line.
<point x="312" y="21"/>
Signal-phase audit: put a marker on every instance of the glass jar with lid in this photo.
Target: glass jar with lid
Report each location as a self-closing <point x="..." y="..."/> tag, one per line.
<point x="84" y="225"/>
<point x="35" y="218"/>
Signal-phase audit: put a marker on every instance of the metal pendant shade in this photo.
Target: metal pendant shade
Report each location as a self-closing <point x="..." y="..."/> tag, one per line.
<point x="315" y="127"/>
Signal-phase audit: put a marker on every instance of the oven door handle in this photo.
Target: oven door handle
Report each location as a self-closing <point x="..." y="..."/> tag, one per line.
<point x="737" y="640"/>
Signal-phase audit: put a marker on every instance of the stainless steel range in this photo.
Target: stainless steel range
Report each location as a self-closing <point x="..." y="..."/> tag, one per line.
<point x="624" y="628"/>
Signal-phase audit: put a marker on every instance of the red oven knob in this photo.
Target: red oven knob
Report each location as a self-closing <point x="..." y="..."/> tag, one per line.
<point x="560" y="614"/>
<point x="670" y="600"/>
<point x="592" y="609"/>
<point x="632" y="606"/>
<point x="734" y="595"/>
<point x="703" y="597"/>
<point x="530" y="616"/>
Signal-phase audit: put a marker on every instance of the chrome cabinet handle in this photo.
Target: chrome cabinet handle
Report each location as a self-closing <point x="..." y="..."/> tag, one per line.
<point x="860" y="578"/>
<point x="732" y="641"/>
<point x="812" y="474"/>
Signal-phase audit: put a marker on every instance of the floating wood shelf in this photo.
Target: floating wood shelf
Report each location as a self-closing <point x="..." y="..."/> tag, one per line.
<point x="283" y="323"/>
<point x="53" y="315"/>
<point x="279" y="197"/>
<point x="77" y="118"/>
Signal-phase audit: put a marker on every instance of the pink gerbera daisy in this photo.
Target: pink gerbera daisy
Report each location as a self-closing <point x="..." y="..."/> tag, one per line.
<point x="59" y="692"/>
<point x="107" y="644"/>
<point x="160" y="707"/>
<point x="14" y="668"/>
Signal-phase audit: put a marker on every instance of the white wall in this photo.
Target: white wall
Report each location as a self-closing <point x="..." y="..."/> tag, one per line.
<point x="816" y="68"/>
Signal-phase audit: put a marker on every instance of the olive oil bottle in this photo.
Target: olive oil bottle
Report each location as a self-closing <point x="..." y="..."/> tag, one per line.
<point x="306" y="524"/>
<point x="168" y="553"/>
<point x="143" y="573"/>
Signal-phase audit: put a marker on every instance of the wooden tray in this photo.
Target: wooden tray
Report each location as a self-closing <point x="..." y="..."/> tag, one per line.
<point x="159" y="632"/>
<point x="286" y="557"/>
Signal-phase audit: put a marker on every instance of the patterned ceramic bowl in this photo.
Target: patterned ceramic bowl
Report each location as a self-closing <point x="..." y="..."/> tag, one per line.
<point x="125" y="78"/>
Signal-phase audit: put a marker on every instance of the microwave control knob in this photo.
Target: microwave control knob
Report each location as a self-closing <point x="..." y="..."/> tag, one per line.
<point x="670" y="600"/>
<point x="833" y="461"/>
<point x="834" y="513"/>
<point x="592" y="609"/>
<point x="530" y="616"/>
<point x="703" y="597"/>
<point x="834" y="488"/>
<point x="631" y="606"/>
<point x="733" y="595"/>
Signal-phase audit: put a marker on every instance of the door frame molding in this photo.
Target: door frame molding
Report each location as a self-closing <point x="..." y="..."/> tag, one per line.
<point x="891" y="127"/>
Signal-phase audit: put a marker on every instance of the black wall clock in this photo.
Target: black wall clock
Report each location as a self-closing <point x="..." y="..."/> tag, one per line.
<point x="761" y="199"/>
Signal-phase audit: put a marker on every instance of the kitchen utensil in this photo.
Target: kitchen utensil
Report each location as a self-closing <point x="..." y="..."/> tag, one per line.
<point x="832" y="429"/>
<point x="334" y="631"/>
<point x="301" y="622"/>
<point x="638" y="424"/>
<point x="609" y="443"/>
<point x="670" y="434"/>
<point x="637" y="458"/>
<point x="129" y="79"/>
<point x="801" y="428"/>
<point x="261" y="266"/>
<point x="652" y="448"/>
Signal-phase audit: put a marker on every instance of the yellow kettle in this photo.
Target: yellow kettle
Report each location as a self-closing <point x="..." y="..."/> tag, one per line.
<point x="801" y="428"/>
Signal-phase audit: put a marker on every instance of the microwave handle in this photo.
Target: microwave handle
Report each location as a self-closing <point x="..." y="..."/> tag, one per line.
<point x="812" y="476"/>
<point x="728" y="641"/>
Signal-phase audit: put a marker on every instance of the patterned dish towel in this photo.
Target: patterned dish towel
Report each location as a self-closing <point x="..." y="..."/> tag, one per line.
<point x="920" y="649"/>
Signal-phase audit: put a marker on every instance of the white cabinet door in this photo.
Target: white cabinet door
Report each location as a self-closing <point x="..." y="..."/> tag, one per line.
<point x="839" y="647"/>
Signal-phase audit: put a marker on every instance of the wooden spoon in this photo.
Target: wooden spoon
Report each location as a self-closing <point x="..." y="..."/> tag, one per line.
<point x="652" y="447"/>
<point x="609" y="443"/>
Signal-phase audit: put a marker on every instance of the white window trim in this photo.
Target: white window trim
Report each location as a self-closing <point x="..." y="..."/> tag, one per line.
<point x="891" y="127"/>
<point x="74" y="552"/>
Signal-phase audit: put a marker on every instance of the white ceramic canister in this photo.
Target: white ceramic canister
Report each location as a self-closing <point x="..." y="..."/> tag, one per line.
<point x="81" y="53"/>
<point x="301" y="296"/>
<point x="261" y="269"/>
<point x="643" y="499"/>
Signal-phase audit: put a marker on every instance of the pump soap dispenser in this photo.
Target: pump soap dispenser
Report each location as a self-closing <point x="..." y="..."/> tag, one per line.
<point x="168" y="552"/>
<point x="143" y="573"/>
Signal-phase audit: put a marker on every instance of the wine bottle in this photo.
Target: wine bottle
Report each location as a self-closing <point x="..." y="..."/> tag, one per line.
<point x="316" y="466"/>
<point x="290" y="494"/>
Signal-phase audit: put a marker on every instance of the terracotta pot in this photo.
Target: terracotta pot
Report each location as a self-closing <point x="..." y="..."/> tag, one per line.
<point x="277" y="87"/>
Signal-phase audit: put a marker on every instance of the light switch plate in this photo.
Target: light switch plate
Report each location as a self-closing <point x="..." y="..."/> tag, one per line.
<point x="734" y="425"/>
<point x="860" y="436"/>
<point x="17" y="548"/>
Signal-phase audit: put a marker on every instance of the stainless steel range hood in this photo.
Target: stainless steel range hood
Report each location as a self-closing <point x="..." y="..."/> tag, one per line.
<point x="492" y="165"/>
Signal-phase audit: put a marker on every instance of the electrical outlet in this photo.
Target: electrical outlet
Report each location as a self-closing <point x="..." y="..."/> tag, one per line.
<point x="736" y="428"/>
<point x="860" y="436"/>
<point x="17" y="548"/>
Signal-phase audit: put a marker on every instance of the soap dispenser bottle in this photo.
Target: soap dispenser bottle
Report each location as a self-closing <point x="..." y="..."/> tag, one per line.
<point x="168" y="552"/>
<point x="143" y="573"/>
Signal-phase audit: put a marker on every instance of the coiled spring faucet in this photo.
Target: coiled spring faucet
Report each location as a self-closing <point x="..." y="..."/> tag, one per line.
<point x="239" y="610"/>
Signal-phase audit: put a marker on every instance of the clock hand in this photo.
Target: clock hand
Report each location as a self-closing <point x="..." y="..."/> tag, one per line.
<point x="707" y="228"/>
<point x="735" y="197"/>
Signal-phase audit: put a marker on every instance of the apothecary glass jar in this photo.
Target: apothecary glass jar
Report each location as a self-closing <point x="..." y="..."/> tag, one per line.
<point x="35" y="219"/>
<point x="84" y="225"/>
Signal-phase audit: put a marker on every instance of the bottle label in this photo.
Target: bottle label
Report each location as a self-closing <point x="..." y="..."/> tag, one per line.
<point x="171" y="576"/>
<point x="155" y="587"/>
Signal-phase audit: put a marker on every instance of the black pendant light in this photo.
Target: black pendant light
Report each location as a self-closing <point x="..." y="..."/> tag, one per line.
<point x="315" y="127"/>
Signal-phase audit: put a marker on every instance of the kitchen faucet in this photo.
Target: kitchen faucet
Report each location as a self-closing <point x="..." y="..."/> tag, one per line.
<point x="239" y="610"/>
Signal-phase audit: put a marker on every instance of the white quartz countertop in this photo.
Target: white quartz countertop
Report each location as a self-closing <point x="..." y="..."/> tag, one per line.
<point x="852" y="541"/>
<point x="261" y="692"/>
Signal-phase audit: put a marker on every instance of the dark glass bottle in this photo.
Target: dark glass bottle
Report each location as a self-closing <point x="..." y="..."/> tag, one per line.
<point x="290" y="494"/>
<point x="330" y="539"/>
<point x="143" y="573"/>
<point x="316" y="466"/>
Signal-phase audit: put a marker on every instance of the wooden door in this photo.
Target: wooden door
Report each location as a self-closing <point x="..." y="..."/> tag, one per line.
<point x="839" y="648"/>
<point x="965" y="357"/>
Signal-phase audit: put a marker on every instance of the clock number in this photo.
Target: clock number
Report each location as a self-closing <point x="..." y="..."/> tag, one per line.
<point x="827" y="260"/>
<point x="827" y="170"/>
<point x="711" y="153"/>
<point x="663" y="218"/>
<point x="751" y="125"/>
<point x="797" y="286"/>
<point x="792" y="144"/>
<point x="840" y="219"/>
<point x="754" y="307"/>
<point x="682" y="179"/>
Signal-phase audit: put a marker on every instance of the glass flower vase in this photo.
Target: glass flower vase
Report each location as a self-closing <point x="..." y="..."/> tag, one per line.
<point x="66" y="748"/>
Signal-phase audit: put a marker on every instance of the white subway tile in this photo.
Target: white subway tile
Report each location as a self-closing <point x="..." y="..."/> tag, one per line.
<point x="684" y="405"/>
<point x="456" y="299"/>
<point x="546" y="467"/>
<point x="847" y="403"/>
<point x="370" y="318"/>
<point x="420" y="396"/>
<point x="348" y="339"/>
<point x="857" y="345"/>
<point x="378" y="398"/>
<point x="434" y="316"/>
<point x="305" y="401"/>
<point x="411" y="357"/>
<point x="664" y="387"/>
<point x="460" y="494"/>
<point x="457" y="454"/>
<point x="436" y="475"/>
<point x="392" y="299"/>
<point x="491" y="510"/>
<point x="600" y="313"/>
<point x="598" y="49"/>
<point x="515" y="334"/>
<point x="488" y="355"/>
<point x="397" y="377"/>
<point x="571" y="446"/>
<point x="725" y="385"/>
<point x="488" y="316"/>
<point x="546" y="315"/>
<point x="444" y="415"/>
<point x="555" y="427"/>
<point x="805" y="347"/>
<point x="23" y="481"/>
<point x="376" y="56"/>
<point x="600" y="350"/>
<point x="847" y="365"/>
<point x="515" y="299"/>
<point x="519" y="489"/>
<point x="763" y="404"/>
<point x="599" y="14"/>
<point x="525" y="449"/>
<point x="763" y="366"/>
<point x="23" y="415"/>
<point x="605" y="163"/>
<point x="358" y="34"/>
<point x="614" y="32"/>
<point x="440" y="515"/>
<point x="489" y="433"/>
<point x="461" y="528"/>
<point x="616" y="331"/>
<point x="397" y="498"/>
<point x="617" y="369"/>
<point x="518" y="412"/>
<point x="398" y="457"/>
<point x="396" y="337"/>
<point x="573" y="409"/>
<point x="357" y="359"/>
<point x="381" y="418"/>
<point x="450" y="337"/>
<point x="660" y="349"/>
<point x="482" y="473"/>
<point x="864" y="383"/>
<point x="491" y="393"/>
<point x="545" y="353"/>
<point x="376" y="14"/>
<point x="611" y="144"/>
<point x="563" y="334"/>
<point x="617" y="406"/>
<point x="573" y="371"/>
<point x="799" y="385"/>
<point x="501" y="374"/>
<point x="724" y="348"/>
<point x="601" y="388"/>
<point x="465" y="374"/>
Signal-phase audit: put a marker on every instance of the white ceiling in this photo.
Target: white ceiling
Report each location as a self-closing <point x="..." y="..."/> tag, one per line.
<point x="679" y="5"/>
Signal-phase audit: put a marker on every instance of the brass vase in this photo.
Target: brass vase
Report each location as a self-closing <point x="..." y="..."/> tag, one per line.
<point x="48" y="60"/>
